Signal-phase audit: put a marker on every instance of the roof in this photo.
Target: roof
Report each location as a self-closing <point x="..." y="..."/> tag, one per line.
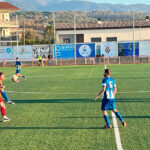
<point x="103" y="25"/>
<point x="7" y="6"/>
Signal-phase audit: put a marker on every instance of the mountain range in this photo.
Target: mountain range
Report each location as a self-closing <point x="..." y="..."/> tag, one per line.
<point x="75" y="5"/>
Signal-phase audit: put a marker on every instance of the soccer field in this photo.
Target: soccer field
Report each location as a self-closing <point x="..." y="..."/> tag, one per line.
<point x="55" y="109"/>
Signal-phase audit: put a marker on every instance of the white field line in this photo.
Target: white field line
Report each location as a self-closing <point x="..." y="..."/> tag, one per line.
<point x="49" y="93"/>
<point x="81" y="74"/>
<point x="116" y="130"/>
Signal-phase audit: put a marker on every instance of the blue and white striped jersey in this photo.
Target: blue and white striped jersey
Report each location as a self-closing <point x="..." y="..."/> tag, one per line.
<point x="18" y="65"/>
<point x="109" y="83"/>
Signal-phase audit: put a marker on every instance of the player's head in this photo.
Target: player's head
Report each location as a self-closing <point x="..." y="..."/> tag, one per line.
<point x="17" y="58"/>
<point x="107" y="73"/>
<point x="2" y="75"/>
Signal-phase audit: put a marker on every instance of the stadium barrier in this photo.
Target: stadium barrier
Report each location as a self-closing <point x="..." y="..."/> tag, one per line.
<point x="78" y="61"/>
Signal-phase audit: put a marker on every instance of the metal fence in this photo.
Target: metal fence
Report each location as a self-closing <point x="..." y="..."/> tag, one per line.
<point x="78" y="61"/>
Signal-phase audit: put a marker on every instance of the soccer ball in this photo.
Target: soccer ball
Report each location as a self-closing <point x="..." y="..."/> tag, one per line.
<point x="14" y="78"/>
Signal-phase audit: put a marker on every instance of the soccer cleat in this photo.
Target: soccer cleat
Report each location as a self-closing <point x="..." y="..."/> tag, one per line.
<point x="108" y="127"/>
<point x="124" y="124"/>
<point x="10" y="102"/>
<point x="5" y="119"/>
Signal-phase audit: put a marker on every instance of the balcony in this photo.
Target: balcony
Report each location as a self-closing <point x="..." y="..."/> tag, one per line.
<point x="5" y="24"/>
<point x="8" y="39"/>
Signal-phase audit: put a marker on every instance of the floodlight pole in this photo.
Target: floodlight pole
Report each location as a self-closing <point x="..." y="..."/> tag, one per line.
<point x="133" y="37"/>
<point x="17" y="35"/>
<point x="24" y="41"/>
<point x="0" y="39"/>
<point x="54" y="23"/>
<point x="75" y="40"/>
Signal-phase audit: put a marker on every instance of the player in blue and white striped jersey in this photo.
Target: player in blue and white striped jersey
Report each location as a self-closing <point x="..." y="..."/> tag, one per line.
<point x="108" y="92"/>
<point x="18" y="69"/>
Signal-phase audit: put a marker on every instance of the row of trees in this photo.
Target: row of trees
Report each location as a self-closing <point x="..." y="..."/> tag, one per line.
<point x="31" y="37"/>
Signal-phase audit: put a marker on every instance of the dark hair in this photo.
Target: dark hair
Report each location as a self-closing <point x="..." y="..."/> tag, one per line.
<point x="17" y="58"/>
<point x="107" y="71"/>
<point x="1" y="73"/>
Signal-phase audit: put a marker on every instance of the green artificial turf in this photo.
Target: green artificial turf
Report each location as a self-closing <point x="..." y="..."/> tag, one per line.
<point x="55" y="109"/>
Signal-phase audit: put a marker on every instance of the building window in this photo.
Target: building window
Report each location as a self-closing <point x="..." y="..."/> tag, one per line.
<point x="96" y="39"/>
<point x="66" y="40"/>
<point x="80" y="38"/>
<point x="110" y="39"/>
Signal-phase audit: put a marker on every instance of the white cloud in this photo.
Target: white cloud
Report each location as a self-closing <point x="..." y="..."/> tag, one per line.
<point x="42" y="2"/>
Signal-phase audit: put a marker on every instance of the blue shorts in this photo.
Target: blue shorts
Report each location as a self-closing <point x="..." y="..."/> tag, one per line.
<point x="108" y="104"/>
<point x="18" y="71"/>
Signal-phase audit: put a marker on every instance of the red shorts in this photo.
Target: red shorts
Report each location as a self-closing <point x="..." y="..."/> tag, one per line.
<point x="1" y="100"/>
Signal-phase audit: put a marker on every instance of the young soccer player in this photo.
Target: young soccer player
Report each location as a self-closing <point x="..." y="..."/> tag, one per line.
<point x="108" y="91"/>
<point x="3" y="93"/>
<point x="18" y="69"/>
<point x="2" y="105"/>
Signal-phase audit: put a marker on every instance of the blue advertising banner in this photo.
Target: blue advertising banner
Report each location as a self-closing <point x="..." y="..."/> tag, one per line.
<point x="85" y="50"/>
<point x="129" y="49"/>
<point x="64" y="51"/>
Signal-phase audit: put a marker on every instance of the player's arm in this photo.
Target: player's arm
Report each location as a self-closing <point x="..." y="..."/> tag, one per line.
<point x="115" y="89"/>
<point x="21" y="65"/>
<point x="100" y="93"/>
<point x="2" y="87"/>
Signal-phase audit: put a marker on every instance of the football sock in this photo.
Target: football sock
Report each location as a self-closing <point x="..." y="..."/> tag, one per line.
<point x="119" y="116"/>
<point x="106" y="117"/>
<point x="5" y="96"/>
<point x="3" y="111"/>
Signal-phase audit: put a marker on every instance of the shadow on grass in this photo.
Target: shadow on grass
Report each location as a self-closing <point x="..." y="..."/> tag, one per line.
<point x="137" y="117"/>
<point x="51" y="128"/>
<point x="76" y="101"/>
<point x="84" y="117"/>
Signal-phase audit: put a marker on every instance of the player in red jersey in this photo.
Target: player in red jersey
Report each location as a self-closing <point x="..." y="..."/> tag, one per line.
<point x="2" y="105"/>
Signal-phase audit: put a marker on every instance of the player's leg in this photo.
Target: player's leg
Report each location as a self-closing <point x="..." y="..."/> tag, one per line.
<point x="3" y="93"/>
<point x="104" y="107"/>
<point x="3" y="111"/>
<point x="120" y="117"/>
<point x="106" y="117"/>
<point x="22" y="76"/>
<point x="19" y="75"/>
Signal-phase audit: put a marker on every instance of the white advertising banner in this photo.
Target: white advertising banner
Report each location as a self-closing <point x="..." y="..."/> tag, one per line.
<point x="109" y="49"/>
<point x="5" y="52"/>
<point x="40" y="50"/>
<point x="25" y="52"/>
<point x="144" y="48"/>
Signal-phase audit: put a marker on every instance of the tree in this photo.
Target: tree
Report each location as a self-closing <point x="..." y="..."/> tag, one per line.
<point x="49" y="34"/>
<point x="31" y="37"/>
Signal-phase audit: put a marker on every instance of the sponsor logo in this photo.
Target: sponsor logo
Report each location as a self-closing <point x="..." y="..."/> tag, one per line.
<point x="8" y="50"/>
<point x="107" y="50"/>
<point x="85" y="51"/>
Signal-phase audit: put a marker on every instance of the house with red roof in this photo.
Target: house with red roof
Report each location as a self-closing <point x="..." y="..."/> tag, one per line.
<point x="5" y="23"/>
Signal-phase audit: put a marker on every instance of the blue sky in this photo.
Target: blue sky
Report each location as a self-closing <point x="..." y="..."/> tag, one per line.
<point x="111" y="1"/>
<point x="122" y="1"/>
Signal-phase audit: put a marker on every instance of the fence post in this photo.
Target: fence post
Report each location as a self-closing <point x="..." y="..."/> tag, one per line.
<point x="104" y="60"/>
<point x="32" y="62"/>
<point x="4" y="63"/>
<point x="149" y="59"/>
<point x="46" y="62"/>
<point x="119" y="60"/>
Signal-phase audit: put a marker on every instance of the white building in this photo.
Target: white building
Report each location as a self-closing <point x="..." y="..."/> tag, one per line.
<point x="103" y="32"/>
